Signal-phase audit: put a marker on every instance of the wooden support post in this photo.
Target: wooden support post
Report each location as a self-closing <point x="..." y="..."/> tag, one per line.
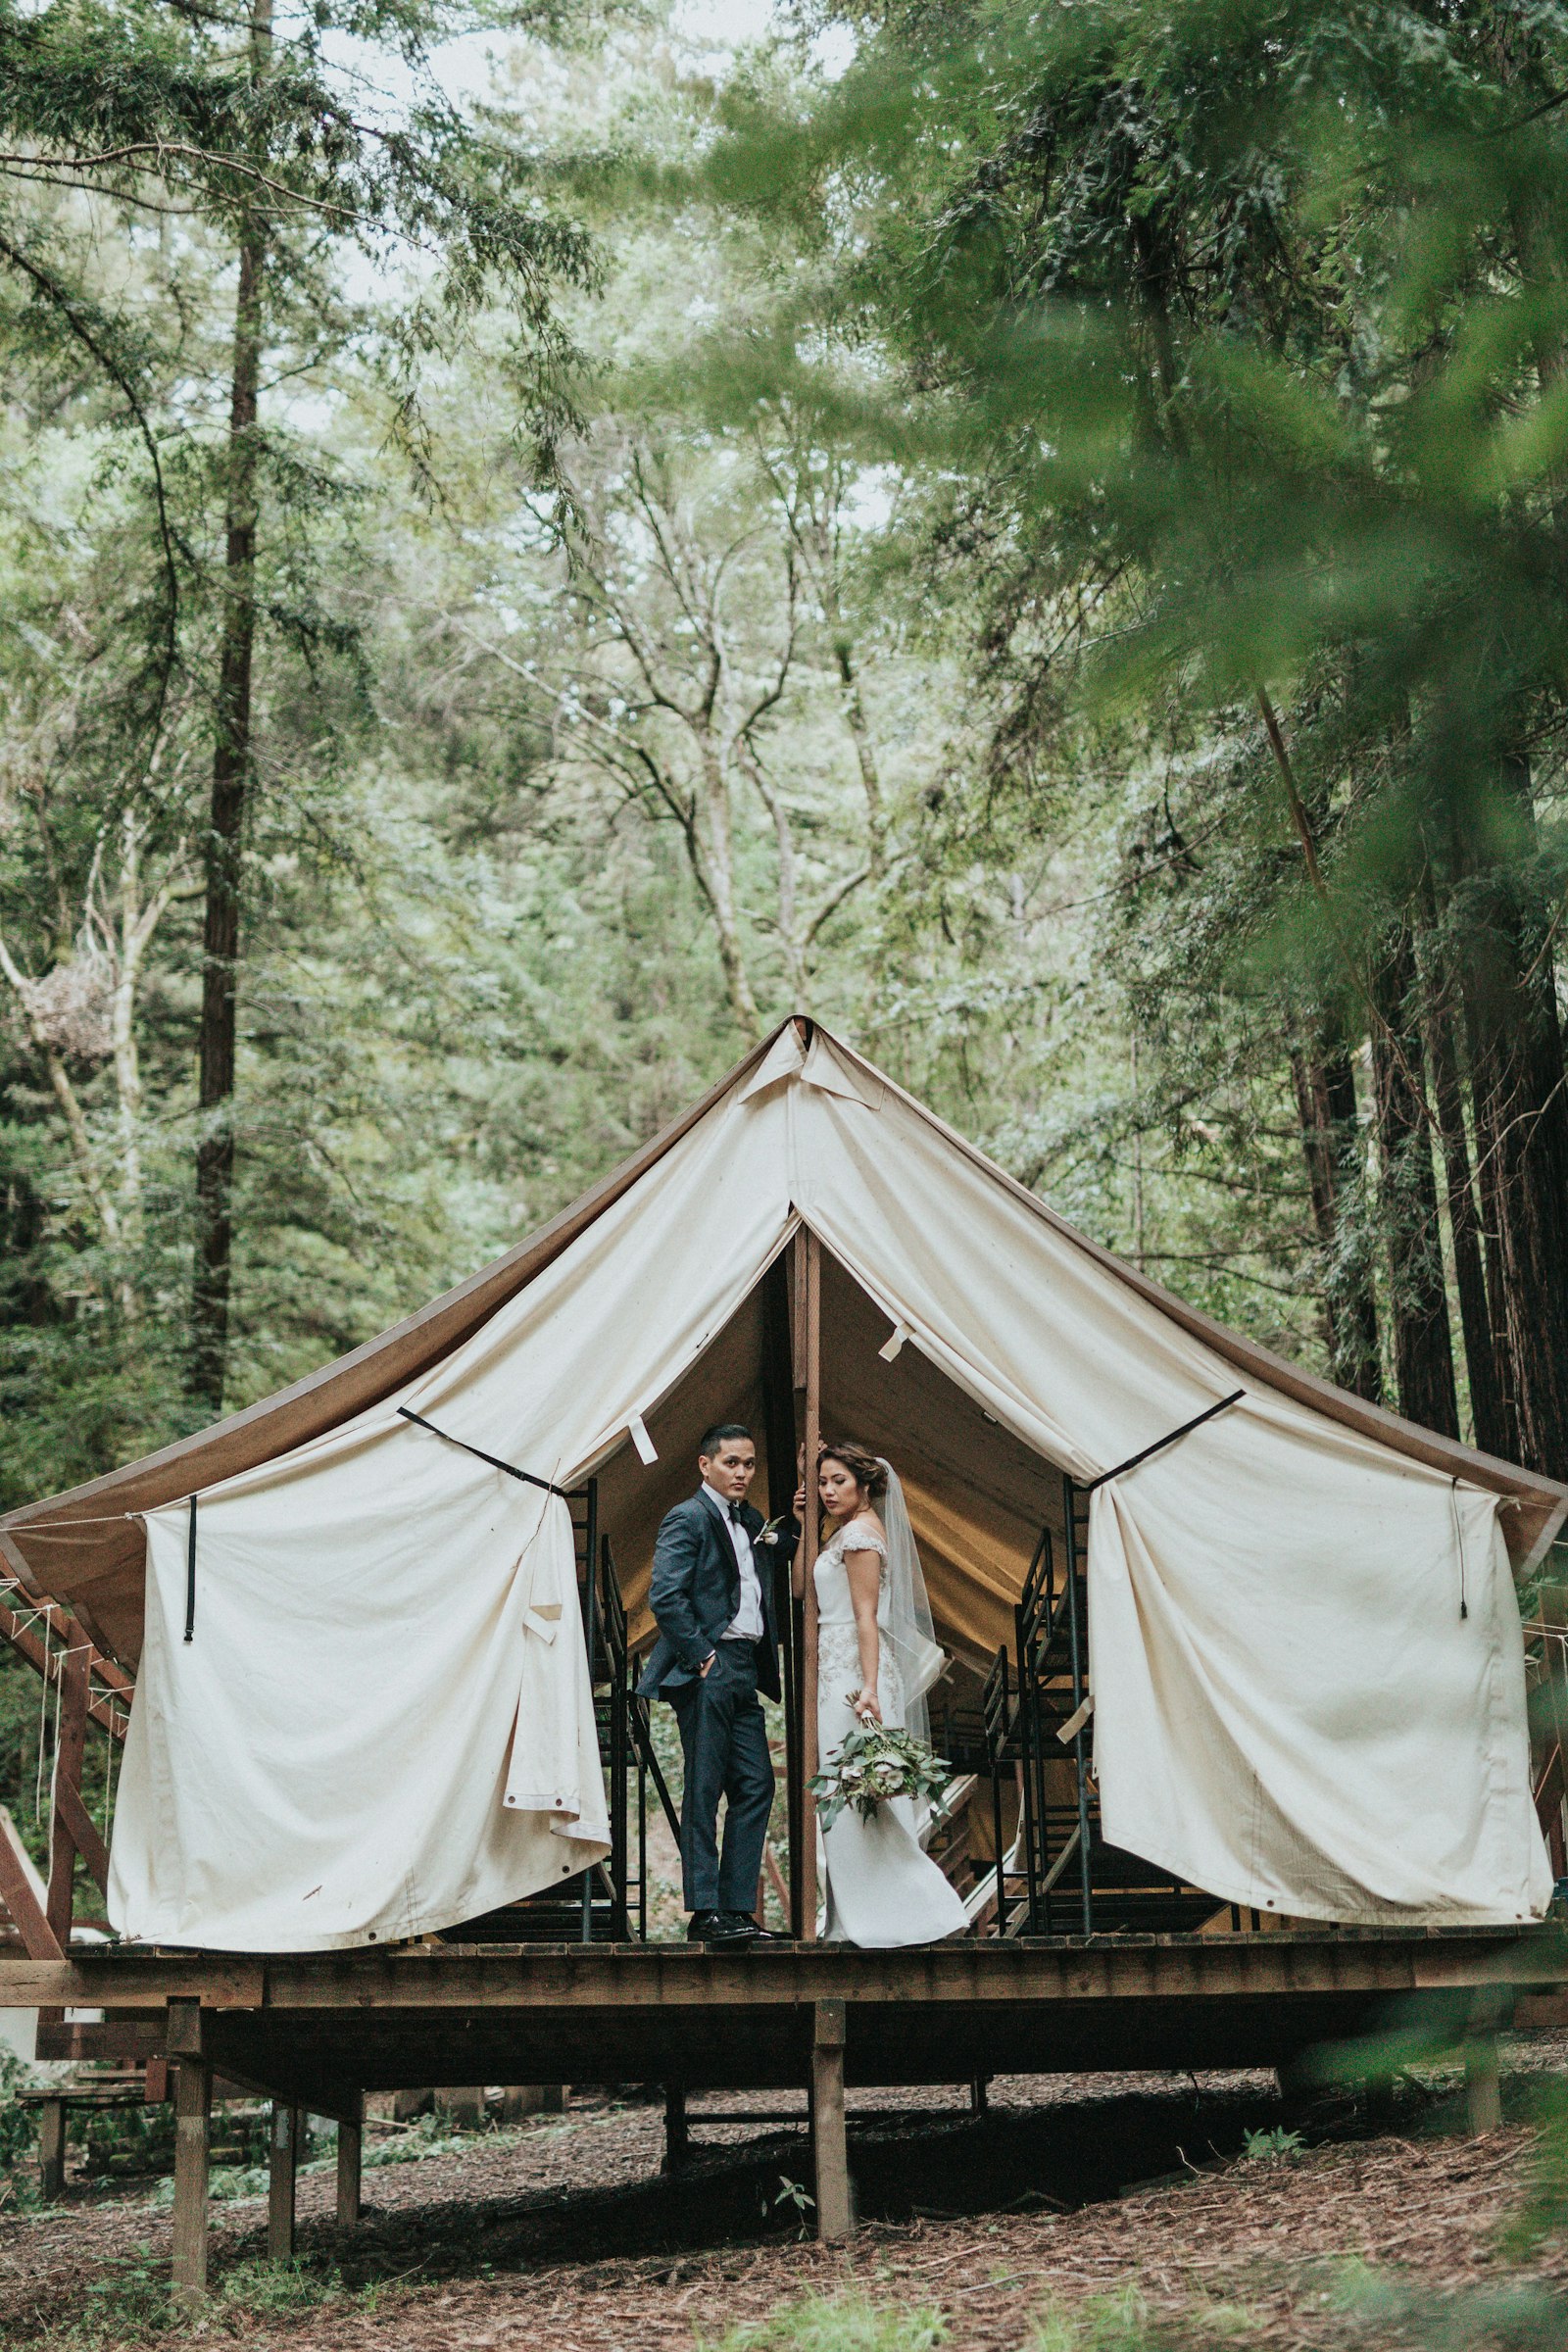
<point x="350" y="2159"/>
<point x="1380" y="2098"/>
<point x="835" y="2207"/>
<point x="282" y="2161"/>
<point x="808" y="1374"/>
<point x="193" y="2106"/>
<point x="70" y="1750"/>
<point x="51" y="2149"/>
<point x="677" y="2138"/>
<point x="519" y="2100"/>
<point x="979" y="2102"/>
<point x="1482" y="2086"/>
<point x="783" y="1476"/>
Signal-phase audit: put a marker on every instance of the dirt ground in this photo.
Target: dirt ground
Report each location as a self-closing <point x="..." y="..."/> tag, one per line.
<point x="564" y="2234"/>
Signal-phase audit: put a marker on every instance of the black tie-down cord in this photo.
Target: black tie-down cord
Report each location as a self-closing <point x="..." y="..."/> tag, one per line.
<point x="511" y="1468"/>
<point x="527" y="1477"/>
<point x="1169" y="1439"/>
<point x="190" y="1574"/>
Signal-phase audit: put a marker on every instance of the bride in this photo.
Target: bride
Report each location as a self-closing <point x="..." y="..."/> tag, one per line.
<point x="876" y="1656"/>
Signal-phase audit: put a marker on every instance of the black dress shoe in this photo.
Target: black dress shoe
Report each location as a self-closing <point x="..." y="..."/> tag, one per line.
<point x="750" y="1927"/>
<point x="720" y="1927"/>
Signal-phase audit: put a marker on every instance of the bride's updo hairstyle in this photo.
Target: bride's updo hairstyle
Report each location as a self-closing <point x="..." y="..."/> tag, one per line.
<point x="867" y="1472"/>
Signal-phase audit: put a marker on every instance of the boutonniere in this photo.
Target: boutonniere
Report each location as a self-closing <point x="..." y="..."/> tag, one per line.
<point x="771" y="1532"/>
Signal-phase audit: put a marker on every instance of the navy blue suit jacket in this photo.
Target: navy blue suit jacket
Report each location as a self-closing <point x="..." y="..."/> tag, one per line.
<point x="696" y="1591"/>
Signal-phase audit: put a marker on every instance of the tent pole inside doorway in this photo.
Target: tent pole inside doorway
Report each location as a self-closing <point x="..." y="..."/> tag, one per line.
<point x="807" y="1359"/>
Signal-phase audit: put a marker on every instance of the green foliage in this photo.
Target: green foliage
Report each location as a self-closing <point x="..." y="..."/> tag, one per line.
<point x="427" y="2135"/>
<point x="1268" y="2147"/>
<point x="794" y="2193"/>
<point x="127" y="2303"/>
<point x="131" y="2302"/>
<point x="19" y="2134"/>
<point x="1544" y="2215"/>
<point x="1118" y="2322"/>
<point x="844" y="2323"/>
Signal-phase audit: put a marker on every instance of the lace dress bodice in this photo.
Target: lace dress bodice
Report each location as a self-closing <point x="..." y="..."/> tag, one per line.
<point x="838" y="1640"/>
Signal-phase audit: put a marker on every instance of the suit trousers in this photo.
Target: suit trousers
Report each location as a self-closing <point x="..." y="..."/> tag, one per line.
<point x="724" y="1739"/>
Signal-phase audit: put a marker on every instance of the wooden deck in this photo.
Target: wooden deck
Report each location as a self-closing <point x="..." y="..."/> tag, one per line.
<point x="314" y="2032"/>
<point x="317" y="2028"/>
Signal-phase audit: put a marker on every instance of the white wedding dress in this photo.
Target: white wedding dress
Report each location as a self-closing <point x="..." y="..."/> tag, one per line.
<point x="882" y="1890"/>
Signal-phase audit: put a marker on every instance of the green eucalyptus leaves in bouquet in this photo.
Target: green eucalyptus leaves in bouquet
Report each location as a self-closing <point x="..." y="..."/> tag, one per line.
<point x="877" y="1762"/>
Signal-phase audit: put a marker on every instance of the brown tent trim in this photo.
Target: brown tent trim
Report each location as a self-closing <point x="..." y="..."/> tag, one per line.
<point x="1546" y="1499"/>
<point x="327" y="1398"/>
<point x="319" y="1402"/>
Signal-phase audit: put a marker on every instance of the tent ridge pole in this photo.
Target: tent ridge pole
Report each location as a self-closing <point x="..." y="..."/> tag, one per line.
<point x="809" y="1371"/>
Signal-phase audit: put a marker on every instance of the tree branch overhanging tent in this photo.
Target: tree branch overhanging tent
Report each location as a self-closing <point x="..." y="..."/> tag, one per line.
<point x="1305" y="1648"/>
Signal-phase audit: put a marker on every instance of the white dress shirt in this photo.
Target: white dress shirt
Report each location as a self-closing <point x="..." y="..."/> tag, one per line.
<point x="749" y="1623"/>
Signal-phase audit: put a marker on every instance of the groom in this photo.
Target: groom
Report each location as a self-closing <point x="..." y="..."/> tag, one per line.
<point x="717" y="1646"/>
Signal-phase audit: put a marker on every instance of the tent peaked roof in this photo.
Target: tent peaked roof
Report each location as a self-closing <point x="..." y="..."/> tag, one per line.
<point x="86" y="1547"/>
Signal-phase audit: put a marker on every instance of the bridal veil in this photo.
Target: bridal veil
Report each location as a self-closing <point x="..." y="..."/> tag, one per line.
<point x="910" y="1631"/>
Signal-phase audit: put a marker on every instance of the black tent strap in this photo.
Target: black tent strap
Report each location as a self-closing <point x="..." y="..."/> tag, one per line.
<point x="1169" y="1439"/>
<point x="190" y="1574"/>
<point x="527" y="1477"/>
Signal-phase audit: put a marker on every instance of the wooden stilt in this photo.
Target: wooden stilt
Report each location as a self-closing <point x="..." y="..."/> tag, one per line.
<point x="51" y="2149"/>
<point x="1296" y="2077"/>
<point x="834" y="2208"/>
<point x="1380" y="2098"/>
<point x="521" y="2099"/>
<point x="350" y="2160"/>
<point x="193" y="2104"/>
<point x="283" y="2162"/>
<point x="677" y="2138"/>
<point x="808" y="1373"/>
<point x="979" y="2086"/>
<point x="1482" y="2086"/>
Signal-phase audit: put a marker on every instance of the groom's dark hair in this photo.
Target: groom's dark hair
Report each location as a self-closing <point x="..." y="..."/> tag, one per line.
<point x="708" y="1444"/>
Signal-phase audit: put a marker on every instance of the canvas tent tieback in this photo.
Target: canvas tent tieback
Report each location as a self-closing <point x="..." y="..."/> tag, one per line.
<point x="1169" y="1439"/>
<point x="511" y="1468"/>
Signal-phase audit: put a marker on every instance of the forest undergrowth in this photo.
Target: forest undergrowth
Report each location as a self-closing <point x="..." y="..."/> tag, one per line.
<point x="1088" y="2215"/>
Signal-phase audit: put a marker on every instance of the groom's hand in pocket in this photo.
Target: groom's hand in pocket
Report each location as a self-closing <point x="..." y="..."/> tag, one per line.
<point x="707" y="1663"/>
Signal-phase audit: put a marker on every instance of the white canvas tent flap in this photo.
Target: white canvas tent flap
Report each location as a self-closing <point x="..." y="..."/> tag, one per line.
<point x="372" y="1736"/>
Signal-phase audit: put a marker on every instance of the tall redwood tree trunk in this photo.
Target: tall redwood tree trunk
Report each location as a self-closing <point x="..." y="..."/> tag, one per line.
<point x="1490" y="1411"/>
<point x="1521" y="1116"/>
<point x="230" y="791"/>
<point x="1325" y="1101"/>
<point x="1418" y="1297"/>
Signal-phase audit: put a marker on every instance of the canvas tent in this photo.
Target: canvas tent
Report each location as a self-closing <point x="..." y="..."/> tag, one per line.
<point x="1304" y="1644"/>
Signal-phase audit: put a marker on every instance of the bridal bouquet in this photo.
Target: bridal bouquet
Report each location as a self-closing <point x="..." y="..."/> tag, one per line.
<point x="875" y="1762"/>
